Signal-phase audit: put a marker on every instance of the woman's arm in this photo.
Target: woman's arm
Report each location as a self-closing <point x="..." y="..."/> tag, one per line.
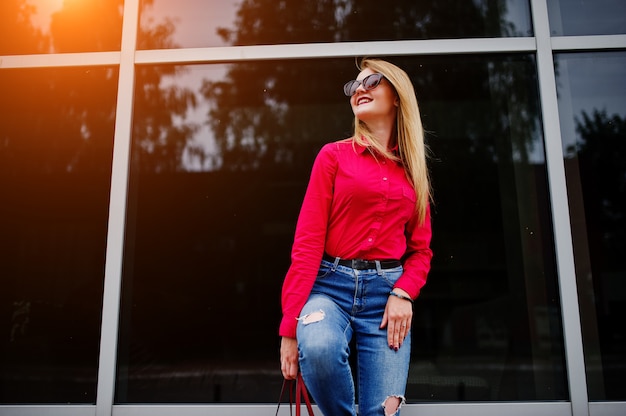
<point x="310" y="236"/>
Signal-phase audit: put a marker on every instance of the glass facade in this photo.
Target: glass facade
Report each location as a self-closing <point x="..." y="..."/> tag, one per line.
<point x="593" y="121"/>
<point x="57" y="26"/>
<point x="55" y="174"/>
<point x="489" y="321"/>
<point x="202" y="23"/>
<point x="174" y="168"/>
<point x="587" y="17"/>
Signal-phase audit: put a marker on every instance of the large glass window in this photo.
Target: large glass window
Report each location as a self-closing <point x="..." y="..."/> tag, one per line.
<point x="587" y="17"/>
<point x="47" y="26"/>
<point x="592" y="105"/>
<point x="221" y="156"/>
<point x="202" y="23"/>
<point x="56" y="141"/>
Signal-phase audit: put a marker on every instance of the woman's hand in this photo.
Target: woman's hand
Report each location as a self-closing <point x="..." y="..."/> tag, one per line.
<point x="289" y="358"/>
<point x="397" y="318"/>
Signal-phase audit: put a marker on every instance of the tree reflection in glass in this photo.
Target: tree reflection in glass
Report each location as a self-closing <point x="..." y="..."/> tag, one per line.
<point x="592" y="105"/>
<point x="56" y="146"/>
<point x="488" y="320"/>
<point x="206" y="23"/>
<point x="42" y="26"/>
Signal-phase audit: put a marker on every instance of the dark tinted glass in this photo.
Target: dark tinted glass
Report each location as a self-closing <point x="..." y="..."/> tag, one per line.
<point x="202" y="23"/>
<point x="56" y="140"/>
<point x="592" y="103"/>
<point x="45" y="26"/>
<point x="587" y="17"/>
<point x="221" y="156"/>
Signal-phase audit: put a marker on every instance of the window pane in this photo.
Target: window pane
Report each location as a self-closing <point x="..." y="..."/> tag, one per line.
<point x="47" y="26"/>
<point x="56" y="140"/>
<point x="202" y="23"/>
<point x="587" y="17"/>
<point x="221" y="156"/>
<point x="592" y="105"/>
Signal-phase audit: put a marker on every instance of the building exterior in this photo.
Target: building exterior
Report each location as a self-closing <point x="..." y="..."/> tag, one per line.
<point x="154" y="155"/>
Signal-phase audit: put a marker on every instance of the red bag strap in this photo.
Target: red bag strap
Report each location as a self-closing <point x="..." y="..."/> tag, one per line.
<point x="286" y="386"/>
<point x="301" y="393"/>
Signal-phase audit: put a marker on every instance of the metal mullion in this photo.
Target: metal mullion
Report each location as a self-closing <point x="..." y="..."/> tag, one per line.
<point x="47" y="410"/>
<point x="422" y="409"/>
<point x="60" y="60"/>
<point x="607" y="408"/>
<point x="333" y="50"/>
<point x="584" y="43"/>
<point x="575" y="361"/>
<point x="117" y="212"/>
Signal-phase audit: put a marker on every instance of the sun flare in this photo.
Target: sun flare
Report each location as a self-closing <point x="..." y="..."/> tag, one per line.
<point x="43" y="12"/>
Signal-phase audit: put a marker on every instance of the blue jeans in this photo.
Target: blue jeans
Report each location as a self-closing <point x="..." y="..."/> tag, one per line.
<point x="347" y="303"/>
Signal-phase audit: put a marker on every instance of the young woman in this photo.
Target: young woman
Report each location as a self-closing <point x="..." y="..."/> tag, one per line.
<point x="361" y="252"/>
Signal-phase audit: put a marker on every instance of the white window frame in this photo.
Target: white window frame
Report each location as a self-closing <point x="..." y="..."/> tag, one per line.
<point x="542" y="44"/>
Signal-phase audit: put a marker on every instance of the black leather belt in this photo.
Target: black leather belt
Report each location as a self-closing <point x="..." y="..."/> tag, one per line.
<point x="360" y="264"/>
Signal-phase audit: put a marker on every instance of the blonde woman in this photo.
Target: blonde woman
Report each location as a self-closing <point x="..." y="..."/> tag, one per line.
<point x="361" y="252"/>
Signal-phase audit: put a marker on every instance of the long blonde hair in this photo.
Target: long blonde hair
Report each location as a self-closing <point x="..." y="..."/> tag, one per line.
<point x="409" y="133"/>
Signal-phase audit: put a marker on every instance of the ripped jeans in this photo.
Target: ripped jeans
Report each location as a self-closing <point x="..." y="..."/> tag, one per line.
<point x="345" y="304"/>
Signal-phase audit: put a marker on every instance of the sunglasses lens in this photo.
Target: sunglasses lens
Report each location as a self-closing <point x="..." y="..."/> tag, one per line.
<point x="350" y="88"/>
<point x="372" y="81"/>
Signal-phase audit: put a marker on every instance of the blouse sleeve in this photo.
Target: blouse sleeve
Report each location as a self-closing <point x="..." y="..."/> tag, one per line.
<point x="418" y="255"/>
<point x="310" y="237"/>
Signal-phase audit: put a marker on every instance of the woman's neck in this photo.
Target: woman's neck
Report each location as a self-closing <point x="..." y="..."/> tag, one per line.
<point x="383" y="133"/>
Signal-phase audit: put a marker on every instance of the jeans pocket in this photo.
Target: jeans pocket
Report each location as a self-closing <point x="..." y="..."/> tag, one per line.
<point x="391" y="276"/>
<point x="324" y="270"/>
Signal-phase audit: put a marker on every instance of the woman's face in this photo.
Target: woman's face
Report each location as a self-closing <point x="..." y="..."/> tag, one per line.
<point x="377" y="105"/>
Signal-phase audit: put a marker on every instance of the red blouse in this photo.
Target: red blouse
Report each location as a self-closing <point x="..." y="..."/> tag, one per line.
<point x="356" y="206"/>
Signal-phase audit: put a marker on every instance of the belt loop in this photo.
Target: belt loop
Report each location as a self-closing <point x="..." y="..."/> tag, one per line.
<point x="336" y="262"/>
<point x="379" y="269"/>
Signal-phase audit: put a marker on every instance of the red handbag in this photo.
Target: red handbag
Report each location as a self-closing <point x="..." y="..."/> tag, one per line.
<point x="301" y="394"/>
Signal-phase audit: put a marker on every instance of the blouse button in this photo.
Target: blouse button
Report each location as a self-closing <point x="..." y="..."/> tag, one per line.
<point x="385" y="178"/>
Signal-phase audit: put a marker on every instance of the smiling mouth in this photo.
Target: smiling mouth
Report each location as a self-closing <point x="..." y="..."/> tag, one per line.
<point x="363" y="100"/>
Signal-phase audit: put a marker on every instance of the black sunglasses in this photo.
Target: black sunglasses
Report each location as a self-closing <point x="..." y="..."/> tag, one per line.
<point x="369" y="83"/>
